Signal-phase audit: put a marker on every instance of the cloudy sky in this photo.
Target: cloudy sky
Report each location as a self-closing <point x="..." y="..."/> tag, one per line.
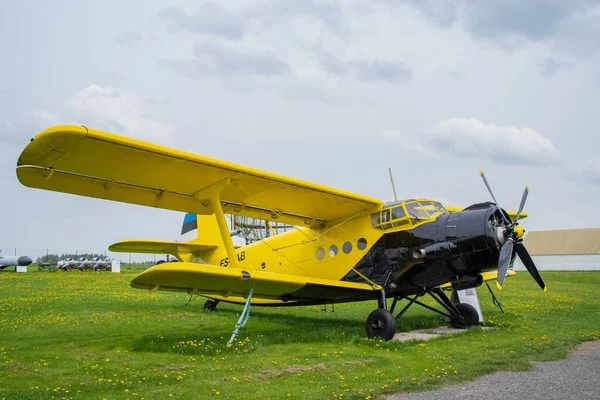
<point x="326" y="91"/>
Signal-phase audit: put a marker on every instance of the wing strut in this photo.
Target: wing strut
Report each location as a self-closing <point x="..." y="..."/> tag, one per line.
<point x="243" y="318"/>
<point x="209" y="198"/>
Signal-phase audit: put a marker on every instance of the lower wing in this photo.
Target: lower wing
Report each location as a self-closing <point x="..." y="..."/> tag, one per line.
<point x="231" y="284"/>
<point x="487" y="276"/>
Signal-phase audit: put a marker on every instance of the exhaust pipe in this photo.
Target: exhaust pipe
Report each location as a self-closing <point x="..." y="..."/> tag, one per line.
<point x="468" y="282"/>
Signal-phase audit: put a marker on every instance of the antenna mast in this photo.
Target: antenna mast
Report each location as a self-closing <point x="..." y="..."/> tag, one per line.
<point x="393" y="186"/>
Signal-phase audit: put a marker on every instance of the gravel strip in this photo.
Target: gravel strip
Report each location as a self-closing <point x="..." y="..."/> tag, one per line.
<point x="576" y="377"/>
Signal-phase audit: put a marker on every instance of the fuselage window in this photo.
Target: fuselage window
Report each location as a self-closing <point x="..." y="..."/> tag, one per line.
<point x="361" y="244"/>
<point x="347" y="247"/>
<point x="333" y="250"/>
<point x="320" y="253"/>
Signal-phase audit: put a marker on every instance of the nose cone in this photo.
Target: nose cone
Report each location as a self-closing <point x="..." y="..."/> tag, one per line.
<point x="519" y="232"/>
<point x="24" y="261"/>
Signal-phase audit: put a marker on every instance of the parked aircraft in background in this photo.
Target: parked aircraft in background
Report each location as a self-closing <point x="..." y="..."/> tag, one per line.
<point x="83" y="264"/>
<point x="14" y="261"/>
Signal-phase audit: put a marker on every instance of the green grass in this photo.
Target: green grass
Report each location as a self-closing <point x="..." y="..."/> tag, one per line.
<point x="89" y="335"/>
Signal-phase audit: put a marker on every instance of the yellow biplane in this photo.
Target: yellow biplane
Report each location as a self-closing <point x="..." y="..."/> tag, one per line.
<point x="344" y="247"/>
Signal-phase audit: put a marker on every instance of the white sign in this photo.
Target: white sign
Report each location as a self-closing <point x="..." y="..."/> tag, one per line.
<point x="115" y="266"/>
<point x="469" y="296"/>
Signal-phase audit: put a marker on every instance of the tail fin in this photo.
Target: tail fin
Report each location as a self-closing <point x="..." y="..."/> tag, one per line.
<point x="200" y="228"/>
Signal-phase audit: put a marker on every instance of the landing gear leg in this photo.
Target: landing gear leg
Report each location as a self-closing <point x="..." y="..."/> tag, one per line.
<point x="461" y="315"/>
<point x="211" y="305"/>
<point x="381" y="322"/>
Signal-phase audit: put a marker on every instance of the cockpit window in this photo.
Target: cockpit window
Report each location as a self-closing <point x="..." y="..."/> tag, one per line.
<point x="416" y="211"/>
<point x="429" y="208"/>
<point x="385" y="216"/>
<point x="439" y="206"/>
<point x="398" y="212"/>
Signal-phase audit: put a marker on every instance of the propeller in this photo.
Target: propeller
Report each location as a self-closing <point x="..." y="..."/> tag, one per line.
<point x="513" y="244"/>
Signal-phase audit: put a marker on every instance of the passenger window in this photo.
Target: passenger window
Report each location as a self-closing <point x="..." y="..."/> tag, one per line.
<point x="361" y="244"/>
<point x="333" y="250"/>
<point x="347" y="247"/>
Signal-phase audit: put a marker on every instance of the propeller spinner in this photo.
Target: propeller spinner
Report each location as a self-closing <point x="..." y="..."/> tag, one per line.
<point x="513" y="243"/>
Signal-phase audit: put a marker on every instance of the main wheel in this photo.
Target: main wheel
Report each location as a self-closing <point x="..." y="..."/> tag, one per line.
<point x="468" y="316"/>
<point x="381" y="323"/>
<point x="210" y="305"/>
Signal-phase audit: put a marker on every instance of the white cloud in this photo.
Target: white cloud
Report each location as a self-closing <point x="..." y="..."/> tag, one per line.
<point x="473" y="138"/>
<point x="118" y="111"/>
<point x="108" y="109"/>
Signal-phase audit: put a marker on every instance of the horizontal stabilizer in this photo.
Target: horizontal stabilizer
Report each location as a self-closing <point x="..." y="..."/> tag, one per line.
<point x="159" y="247"/>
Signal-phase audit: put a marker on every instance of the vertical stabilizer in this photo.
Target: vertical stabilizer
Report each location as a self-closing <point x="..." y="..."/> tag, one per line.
<point x="200" y="229"/>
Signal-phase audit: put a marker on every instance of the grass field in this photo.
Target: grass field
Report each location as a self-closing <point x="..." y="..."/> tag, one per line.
<point x="89" y="335"/>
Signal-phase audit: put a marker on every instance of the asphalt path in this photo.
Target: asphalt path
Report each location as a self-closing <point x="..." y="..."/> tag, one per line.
<point x="576" y="377"/>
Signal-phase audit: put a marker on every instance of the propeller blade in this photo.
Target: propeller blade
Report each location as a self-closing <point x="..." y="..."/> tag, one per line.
<point x="487" y="185"/>
<point x="523" y="200"/>
<point x="506" y="253"/>
<point x="528" y="262"/>
<point x="492" y="193"/>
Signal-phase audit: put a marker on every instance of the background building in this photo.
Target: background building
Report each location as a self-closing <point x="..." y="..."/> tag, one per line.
<point x="563" y="250"/>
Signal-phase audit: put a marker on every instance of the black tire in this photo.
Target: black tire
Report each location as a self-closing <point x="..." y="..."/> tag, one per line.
<point x="468" y="316"/>
<point x="210" y="305"/>
<point x="381" y="323"/>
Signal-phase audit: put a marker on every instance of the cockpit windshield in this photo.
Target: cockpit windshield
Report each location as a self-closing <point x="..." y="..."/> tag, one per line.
<point x="416" y="210"/>
<point x="407" y="212"/>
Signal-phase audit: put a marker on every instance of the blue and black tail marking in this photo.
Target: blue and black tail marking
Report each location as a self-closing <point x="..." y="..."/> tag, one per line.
<point x="190" y="223"/>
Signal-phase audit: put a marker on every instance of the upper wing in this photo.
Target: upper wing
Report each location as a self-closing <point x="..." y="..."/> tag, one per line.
<point x="88" y="162"/>
<point x="234" y="282"/>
